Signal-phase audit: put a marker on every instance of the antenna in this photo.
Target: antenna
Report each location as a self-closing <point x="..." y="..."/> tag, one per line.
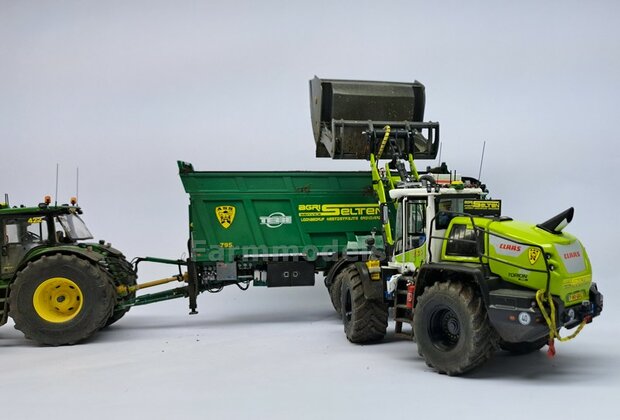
<point x="481" y="160"/>
<point x="56" y="195"/>
<point x="440" y="148"/>
<point x="77" y="184"/>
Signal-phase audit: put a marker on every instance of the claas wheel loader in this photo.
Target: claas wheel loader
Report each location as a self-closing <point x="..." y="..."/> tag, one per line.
<point x="466" y="278"/>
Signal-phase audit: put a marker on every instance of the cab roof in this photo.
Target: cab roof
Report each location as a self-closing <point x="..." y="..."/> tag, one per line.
<point x="42" y="209"/>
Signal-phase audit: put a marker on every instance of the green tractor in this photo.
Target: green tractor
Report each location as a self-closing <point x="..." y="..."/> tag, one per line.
<point x="58" y="288"/>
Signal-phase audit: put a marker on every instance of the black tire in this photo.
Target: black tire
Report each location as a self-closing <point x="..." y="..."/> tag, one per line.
<point x="124" y="279"/>
<point x="61" y="299"/>
<point x="335" y="292"/>
<point x="524" y="347"/>
<point x="452" y="329"/>
<point x="365" y="321"/>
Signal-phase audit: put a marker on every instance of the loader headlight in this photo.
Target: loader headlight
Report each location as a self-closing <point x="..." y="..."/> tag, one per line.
<point x="524" y="318"/>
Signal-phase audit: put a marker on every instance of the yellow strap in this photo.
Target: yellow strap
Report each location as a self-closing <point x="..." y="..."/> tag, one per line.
<point x="541" y="297"/>
<point x="384" y="141"/>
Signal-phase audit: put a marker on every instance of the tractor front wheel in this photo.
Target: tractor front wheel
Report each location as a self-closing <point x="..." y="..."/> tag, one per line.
<point x="452" y="329"/>
<point x="61" y="299"/>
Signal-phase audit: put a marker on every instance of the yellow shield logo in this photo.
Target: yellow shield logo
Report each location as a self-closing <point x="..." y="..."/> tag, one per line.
<point x="533" y="254"/>
<point x="225" y="215"/>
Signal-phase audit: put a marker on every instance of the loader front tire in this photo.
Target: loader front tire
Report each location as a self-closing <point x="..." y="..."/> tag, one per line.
<point x="365" y="320"/>
<point x="524" y="347"/>
<point x="452" y="328"/>
<point x="61" y="299"/>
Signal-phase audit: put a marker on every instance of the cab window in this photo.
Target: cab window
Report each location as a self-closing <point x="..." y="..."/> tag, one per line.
<point x="463" y="242"/>
<point x="411" y="226"/>
<point x="26" y="230"/>
<point x="416" y="224"/>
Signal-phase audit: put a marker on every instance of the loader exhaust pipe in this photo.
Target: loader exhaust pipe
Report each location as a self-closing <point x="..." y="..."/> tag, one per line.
<point x="558" y="222"/>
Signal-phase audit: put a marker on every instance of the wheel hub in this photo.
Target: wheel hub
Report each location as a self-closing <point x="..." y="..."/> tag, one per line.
<point x="452" y="326"/>
<point x="444" y="328"/>
<point x="57" y="300"/>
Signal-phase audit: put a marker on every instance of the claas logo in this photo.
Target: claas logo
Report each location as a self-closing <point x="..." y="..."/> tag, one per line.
<point x="225" y="215"/>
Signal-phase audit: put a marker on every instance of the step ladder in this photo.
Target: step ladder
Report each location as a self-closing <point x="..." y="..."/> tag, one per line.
<point x="402" y="315"/>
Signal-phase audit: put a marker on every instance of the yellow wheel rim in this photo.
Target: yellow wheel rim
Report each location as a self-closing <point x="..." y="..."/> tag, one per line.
<point x="58" y="300"/>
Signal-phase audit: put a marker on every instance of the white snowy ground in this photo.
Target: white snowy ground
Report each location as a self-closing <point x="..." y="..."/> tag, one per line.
<point x="282" y="354"/>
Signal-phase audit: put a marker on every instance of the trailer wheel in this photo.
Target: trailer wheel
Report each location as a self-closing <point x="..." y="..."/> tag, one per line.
<point x="335" y="292"/>
<point x="61" y="299"/>
<point x="365" y="321"/>
<point x="524" y="347"/>
<point x="452" y="329"/>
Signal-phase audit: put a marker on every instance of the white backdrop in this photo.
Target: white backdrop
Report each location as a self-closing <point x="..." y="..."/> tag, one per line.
<point x="124" y="89"/>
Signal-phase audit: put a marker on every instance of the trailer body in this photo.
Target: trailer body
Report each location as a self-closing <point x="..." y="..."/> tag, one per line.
<point x="251" y="220"/>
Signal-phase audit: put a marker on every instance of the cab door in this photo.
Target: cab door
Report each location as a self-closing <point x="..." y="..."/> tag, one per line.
<point x="20" y="235"/>
<point x="410" y="244"/>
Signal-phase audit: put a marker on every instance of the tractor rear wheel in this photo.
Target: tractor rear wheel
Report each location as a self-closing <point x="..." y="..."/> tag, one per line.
<point x="61" y="299"/>
<point x="452" y="329"/>
<point x="128" y="280"/>
<point x="365" y="320"/>
<point x="524" y="347"/>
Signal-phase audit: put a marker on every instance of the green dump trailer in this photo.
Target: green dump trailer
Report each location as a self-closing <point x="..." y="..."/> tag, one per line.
<point x="277" y="229"/>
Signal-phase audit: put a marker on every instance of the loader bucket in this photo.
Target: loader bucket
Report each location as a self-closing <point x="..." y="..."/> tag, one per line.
<point x="346" y="112"/>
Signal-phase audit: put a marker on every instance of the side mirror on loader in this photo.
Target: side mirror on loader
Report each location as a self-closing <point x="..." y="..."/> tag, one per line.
<point x="385" y="214"/>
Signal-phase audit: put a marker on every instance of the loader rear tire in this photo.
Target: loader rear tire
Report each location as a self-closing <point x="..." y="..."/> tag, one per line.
<point x="452" y="328"/>
<point x="524" y="347"/>
<point x="365" y="320"/>
<point x="61" y="299"/>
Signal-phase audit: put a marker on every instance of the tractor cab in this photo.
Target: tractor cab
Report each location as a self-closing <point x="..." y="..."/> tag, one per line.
<point x="26" y="228"/>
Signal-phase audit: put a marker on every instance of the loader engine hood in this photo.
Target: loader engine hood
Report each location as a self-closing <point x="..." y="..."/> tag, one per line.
<point x="528" y="255"/>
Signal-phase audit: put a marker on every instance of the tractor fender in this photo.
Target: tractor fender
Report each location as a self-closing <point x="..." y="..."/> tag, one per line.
<point x="373" y="289"/>
<point x="430" y="274"/>
<point x="37" y="253"/>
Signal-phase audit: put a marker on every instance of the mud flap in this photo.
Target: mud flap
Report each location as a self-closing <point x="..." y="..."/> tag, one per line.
<point x="373" y="289"/>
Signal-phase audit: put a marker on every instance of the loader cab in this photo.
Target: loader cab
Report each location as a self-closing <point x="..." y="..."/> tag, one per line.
<point x="425" y="231"/>
<point x="411" y="230"/>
